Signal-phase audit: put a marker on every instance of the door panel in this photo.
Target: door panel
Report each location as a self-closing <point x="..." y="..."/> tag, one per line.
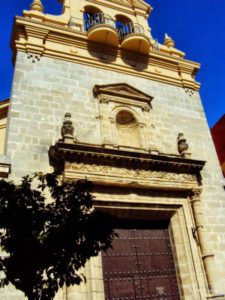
<point x="140" y="266"/>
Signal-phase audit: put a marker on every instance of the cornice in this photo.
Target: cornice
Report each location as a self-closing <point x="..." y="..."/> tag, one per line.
<point x="111" y="167"/>
<point x="4" y="105"/>
<point x="4" y="169"/>
<point x="62" y="152"/>
<point x="131" y="7"/>
<point x="121" y="90"/>
<point x="60" y="42"/>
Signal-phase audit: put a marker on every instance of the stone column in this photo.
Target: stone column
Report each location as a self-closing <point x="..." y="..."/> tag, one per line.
<point x="200" y="229"/>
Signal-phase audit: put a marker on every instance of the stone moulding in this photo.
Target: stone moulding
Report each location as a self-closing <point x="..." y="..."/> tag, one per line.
<point x="4" y="170"/>
<point x="122" y="90"/>
<point x="115" y="98"/>
<point x="124" y="168"/>
<point x="43" y="37"/>
<point x="111" y="170"/>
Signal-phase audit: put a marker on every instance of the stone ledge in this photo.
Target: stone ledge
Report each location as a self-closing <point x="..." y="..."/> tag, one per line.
<point x="217" y="297"/>
<point x="5" y="166"/>
<point x="42" y="39"/>
<point x="68" y="152"/>
<point x="124" y="168"/>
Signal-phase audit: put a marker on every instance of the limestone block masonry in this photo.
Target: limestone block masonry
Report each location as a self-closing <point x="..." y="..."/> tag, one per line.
<point x="44" y="91"/>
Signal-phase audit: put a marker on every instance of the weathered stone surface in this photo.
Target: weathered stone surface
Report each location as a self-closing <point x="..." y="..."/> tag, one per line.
<point x="43" y="92"/>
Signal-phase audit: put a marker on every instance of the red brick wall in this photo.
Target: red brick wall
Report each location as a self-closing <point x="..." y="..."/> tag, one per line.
<point x="218" y="135"/>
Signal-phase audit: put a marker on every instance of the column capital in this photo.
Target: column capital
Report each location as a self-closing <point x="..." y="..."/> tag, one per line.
<point x="195" y="194"/>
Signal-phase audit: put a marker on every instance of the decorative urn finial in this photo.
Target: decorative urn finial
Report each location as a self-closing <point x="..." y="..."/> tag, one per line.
<point x="182" y="146"/>
<point x="168" y="41"/>
<point x="37" y="6"/>
<point x="67" y="130"/>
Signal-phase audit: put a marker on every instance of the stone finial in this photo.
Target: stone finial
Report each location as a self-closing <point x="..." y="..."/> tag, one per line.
<point x="168" y="41"/>
<point x="67" y="130"/>
<point x="37" y="6"/>
<point x="182" y="146"/>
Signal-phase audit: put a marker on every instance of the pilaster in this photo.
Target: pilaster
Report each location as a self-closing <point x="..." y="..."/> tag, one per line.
<point x="206" y="251"/>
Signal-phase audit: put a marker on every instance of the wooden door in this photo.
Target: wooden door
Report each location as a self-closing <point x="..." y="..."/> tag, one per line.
<point x="140" y="266"/>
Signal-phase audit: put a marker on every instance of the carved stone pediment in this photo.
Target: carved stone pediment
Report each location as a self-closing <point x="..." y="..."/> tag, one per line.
<point x="130" y="3"/>
<point x="142" y="4"/>
<point x="123" y="168"/>
<point x="121" y="98"/>
<point x="122" y="90"/>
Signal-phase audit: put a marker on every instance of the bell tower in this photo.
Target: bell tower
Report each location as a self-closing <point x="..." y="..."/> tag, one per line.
<point x="96" y="96"/>
<point x="114" y="23"/>
<point x="111" y="35"/>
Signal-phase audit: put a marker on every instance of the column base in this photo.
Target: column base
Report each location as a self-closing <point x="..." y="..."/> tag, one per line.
<point x="216" y="296"/>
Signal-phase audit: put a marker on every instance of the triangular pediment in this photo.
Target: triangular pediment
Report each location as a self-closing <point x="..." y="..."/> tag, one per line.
<point x="140" y="4"/>
<point x="134" y="3"/>
<point x="121" y="90"/>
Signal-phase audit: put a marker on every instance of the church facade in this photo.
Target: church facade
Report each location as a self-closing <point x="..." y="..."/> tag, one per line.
<point x="95" y="96"/>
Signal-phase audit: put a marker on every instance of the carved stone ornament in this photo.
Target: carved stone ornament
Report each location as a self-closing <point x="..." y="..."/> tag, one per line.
<point x="133" y="174"/>
<point x="119" y="167"/>
<point x="34" y="57"/>
<point x="146" y="108"/>
<point x="195" y="194"/>
<point x="67" y="130"/>
<point x="168" y="41"/>
<point x="182" y="145"/>
<point x="190" y="92"/>
<point x="37" y="6"/>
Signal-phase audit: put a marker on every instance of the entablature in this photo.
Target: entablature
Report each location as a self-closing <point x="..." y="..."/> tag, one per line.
<point x="5" y="167"/>
<point x="123" y="168"/>
<point x="137" y="6"/>
<point x="61" y="42"/>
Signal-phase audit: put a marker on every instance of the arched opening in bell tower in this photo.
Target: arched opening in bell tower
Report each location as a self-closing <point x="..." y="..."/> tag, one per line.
<point x="125" y="26"/>
<point x="99" y="26"/>
<point x="93" y="16"/>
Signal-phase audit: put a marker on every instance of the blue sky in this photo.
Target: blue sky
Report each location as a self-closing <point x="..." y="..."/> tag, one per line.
<point x="197" y="26"/>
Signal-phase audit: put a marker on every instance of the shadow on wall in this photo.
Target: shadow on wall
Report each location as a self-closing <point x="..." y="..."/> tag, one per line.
<point x="137" y="61"/>
<point x="103" y="52"/>
<point x="107" y="55"/>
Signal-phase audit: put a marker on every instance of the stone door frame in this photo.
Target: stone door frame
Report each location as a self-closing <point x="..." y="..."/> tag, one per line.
<point x="156" y="186"/>
<point x="189" y="268"/>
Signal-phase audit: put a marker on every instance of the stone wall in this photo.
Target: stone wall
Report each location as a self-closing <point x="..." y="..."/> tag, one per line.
<point x="45" y="90"/>
<point x="3" y="122"/>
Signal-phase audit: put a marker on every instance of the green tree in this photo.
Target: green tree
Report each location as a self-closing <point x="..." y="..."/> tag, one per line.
<point x="48" y="230"/>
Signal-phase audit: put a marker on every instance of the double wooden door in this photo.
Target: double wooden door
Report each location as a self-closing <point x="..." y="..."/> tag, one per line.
<point x="140" y="265"/>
